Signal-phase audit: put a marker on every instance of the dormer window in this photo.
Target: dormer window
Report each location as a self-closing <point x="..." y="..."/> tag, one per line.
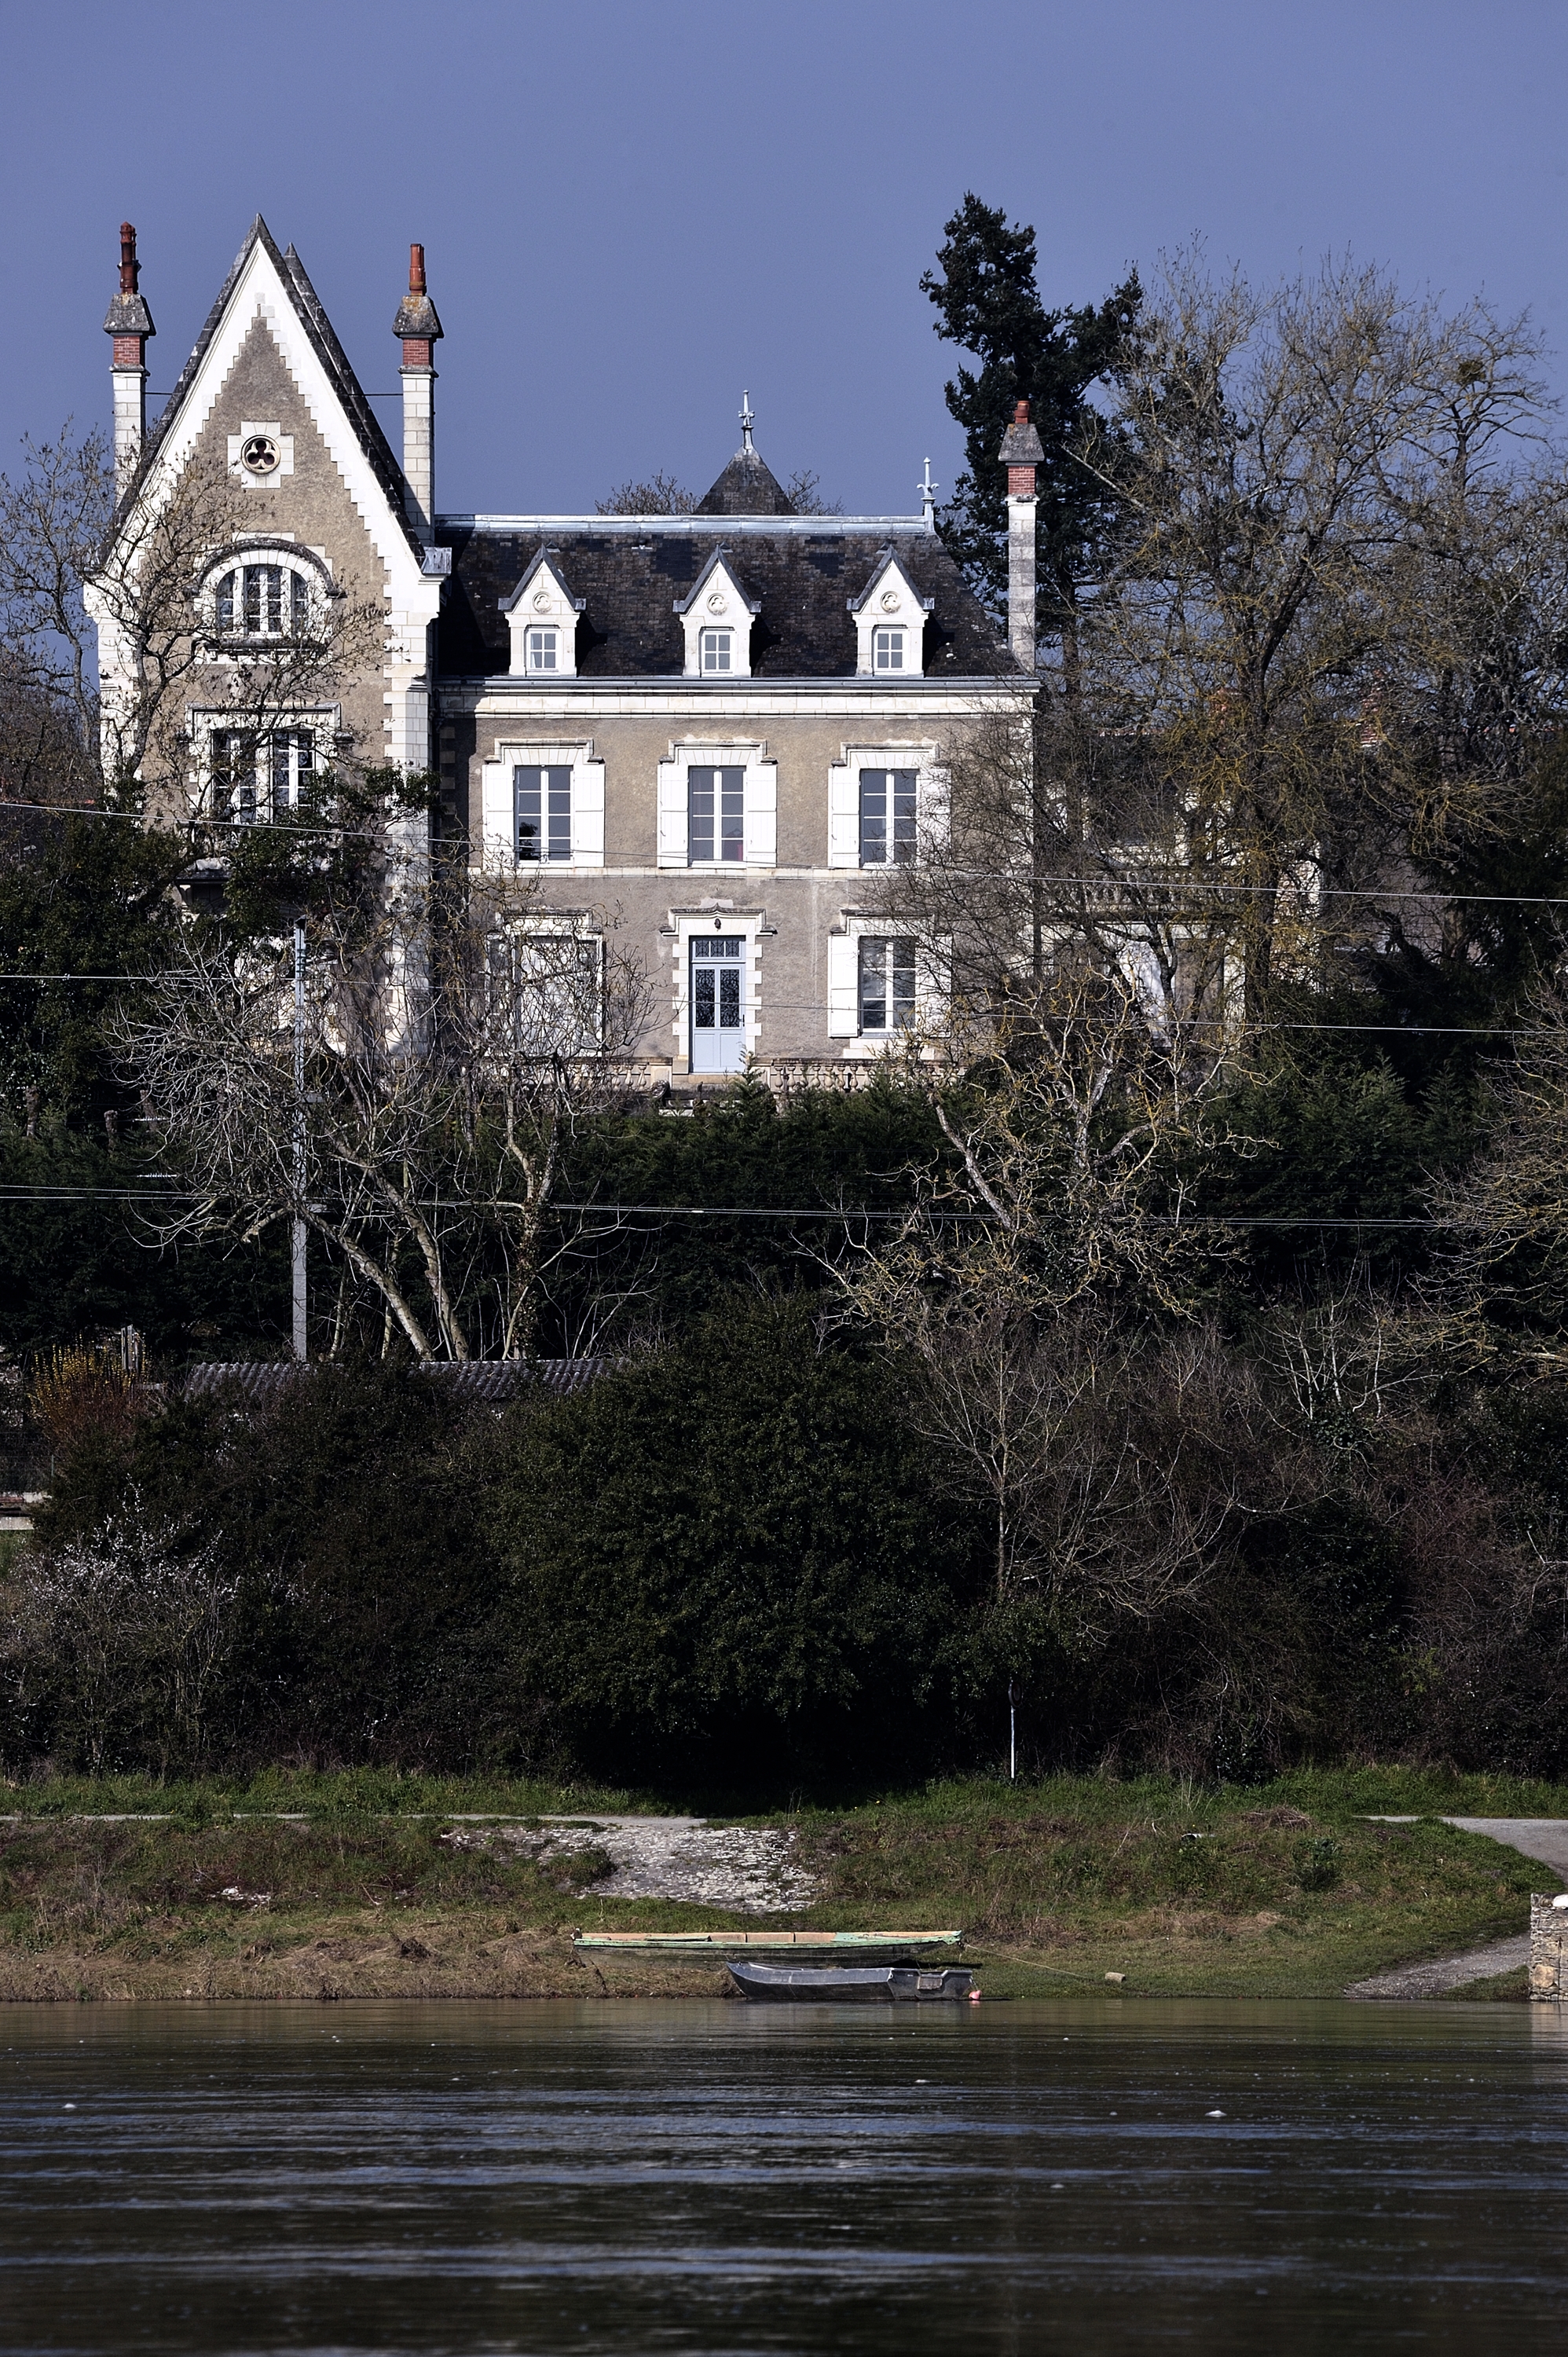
<point x="715" y="619"/>
<point x="890" y="622"/>
<point x="542" y="619"/>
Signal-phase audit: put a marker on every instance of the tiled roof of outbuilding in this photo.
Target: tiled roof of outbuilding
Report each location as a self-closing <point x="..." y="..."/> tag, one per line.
<point x="630" y="571"/>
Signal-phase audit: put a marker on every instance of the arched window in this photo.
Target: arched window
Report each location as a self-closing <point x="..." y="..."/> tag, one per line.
<point x="264" y="596"/>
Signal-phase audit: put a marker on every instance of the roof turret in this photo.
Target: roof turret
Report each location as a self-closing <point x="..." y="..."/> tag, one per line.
<point x="749" y="485"/>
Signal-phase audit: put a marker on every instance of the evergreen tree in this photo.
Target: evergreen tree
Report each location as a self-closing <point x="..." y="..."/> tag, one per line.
<point x="988" y="301"/>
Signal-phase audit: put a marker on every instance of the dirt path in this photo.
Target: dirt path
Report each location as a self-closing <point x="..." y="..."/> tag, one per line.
<point x="1545" y="1838"/>
<point x="1445" y="1973"/>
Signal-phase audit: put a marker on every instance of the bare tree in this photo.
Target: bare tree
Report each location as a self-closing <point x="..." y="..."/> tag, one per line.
<point x="456" y="1037"/>
<point x="1330" y="534"/>
<point x="660" y="494"/>
<point x="124" y="1633"/>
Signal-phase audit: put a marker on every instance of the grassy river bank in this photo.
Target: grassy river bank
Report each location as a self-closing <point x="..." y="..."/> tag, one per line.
<point x="370" y="1885"/>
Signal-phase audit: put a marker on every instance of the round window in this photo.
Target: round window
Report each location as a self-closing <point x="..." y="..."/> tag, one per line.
<point x="259" y="455"/>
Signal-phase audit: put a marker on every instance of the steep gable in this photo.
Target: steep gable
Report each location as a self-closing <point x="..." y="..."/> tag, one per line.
<point x="272" y="289"/>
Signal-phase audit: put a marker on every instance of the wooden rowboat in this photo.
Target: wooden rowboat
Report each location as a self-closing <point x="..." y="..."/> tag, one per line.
<point x="856" y="1984"/>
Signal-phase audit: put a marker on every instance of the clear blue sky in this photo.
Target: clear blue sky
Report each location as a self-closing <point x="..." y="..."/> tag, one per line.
<point x="632" y="212"/>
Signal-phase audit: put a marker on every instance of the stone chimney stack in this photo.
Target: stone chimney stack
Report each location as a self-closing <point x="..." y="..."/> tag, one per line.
<point x="418" y="326"/>
<point x="1021" y="453"/>
<point x="130" y="323"/>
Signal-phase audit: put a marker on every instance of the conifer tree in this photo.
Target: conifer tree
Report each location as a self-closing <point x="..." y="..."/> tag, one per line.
<point x="988" y="301"/>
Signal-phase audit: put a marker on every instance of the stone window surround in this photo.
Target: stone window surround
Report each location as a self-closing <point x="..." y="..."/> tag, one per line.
<point x="685" y="924"/>
<point x="890" y="601"/>
<point x="273" y="431"/>
<point x="265" y="548"/>
<point x="204" y="721"/>
<point x="716" y="601"/>
<point x="497" y="810"/>
<point x="844" y="942"/>
<point x="843" y="793"/>
<point x="543" y="601"/>
<point x="761" y="790"/>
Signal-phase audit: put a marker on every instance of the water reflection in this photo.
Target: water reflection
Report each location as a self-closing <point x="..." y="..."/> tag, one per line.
<point x="717" y="2177"/>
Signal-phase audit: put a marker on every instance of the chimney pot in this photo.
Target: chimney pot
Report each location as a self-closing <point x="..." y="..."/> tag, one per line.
<point x="416" y="270"/>
<point x="130" y="323"/>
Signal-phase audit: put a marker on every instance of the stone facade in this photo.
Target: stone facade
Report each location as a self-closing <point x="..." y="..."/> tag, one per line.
<point x="1548" y="1949"/>
<point x="596" y="691"/>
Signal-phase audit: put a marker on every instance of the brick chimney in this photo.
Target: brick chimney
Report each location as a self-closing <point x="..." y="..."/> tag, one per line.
<point x="1021" y="453"/>
<point x="418" y="326"/>
<point x="130" y="323"/>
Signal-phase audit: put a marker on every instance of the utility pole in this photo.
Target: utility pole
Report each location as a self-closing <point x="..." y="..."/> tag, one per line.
<point x="301" y="1342"/>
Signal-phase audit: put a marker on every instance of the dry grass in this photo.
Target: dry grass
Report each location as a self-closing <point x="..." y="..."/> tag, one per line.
<point x="1184" y="1892"/>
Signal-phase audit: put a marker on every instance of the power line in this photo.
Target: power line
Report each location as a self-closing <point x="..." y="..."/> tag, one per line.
<point x="1196" y="1221"/>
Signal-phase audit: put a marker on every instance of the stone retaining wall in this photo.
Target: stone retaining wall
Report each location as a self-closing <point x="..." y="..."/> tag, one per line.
<point x="1548" y="1949"/>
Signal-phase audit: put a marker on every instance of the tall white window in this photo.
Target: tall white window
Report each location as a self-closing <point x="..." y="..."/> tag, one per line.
<point x="888" y="649"/>
<point x="715" y="814"/>
<point x="886" y="817"/>
<point x="541" y="806"/>
<point x="260" y="774"/>
<point x="261" y="601"/>
<point x="542" y="650"/>
<point x="717" y="649"/>
<point x="887" y="983"/>
<point x="546" y="992"/>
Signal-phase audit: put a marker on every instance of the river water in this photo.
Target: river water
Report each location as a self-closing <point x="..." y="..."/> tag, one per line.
<point x="711" y="2176"/>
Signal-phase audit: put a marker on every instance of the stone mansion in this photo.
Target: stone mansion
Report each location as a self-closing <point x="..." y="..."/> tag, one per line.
<point x="710" y="730"/>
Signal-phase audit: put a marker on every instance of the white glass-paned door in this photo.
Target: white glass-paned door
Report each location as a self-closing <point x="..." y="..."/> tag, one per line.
<point x="718" y="1004"/>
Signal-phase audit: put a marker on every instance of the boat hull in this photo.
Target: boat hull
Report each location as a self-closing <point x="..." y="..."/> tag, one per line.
<point x="850" y="1983"/>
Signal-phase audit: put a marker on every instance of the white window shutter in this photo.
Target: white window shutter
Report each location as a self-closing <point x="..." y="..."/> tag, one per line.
<point x="762" y="813"/>
<point x="843" y="815"/>
<point x="588" y="814"/>
<point x="496" y="815"/>
<point x="673" y="815"/>
<point x="844" y="985"/>
<point x="932" y="810"/>
<point x="931" y="964"/>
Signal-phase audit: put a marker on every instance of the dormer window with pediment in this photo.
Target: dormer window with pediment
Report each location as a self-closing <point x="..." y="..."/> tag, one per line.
<point x="717" y="616"/>
<point x="890" y="623"/>
<point x="542" y="615"/>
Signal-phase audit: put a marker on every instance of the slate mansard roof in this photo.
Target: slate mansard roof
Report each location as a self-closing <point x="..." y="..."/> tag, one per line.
<point x="629" y="571"/>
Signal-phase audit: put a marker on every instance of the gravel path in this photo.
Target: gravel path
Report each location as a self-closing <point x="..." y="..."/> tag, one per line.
<point x="1545" y="1838"/>
<point x="1436" y="1979"/>
<point x="752" y="1870"/>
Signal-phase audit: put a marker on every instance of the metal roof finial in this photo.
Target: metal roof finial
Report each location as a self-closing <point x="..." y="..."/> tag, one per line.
<point x="747" y="422"/>
<point x="929" y="495"/>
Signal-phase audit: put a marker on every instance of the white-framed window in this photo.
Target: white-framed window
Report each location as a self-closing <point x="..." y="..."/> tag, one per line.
<point x="259" y="773"/>
<point x="887" y="810"/>
<point x="884" y="802"/>
<point x="543" y="649"/>
<point x="888" y="649"/>
<point x="719" y="650"/>
<point x="263" y="597"/>
<point x="542" y="807"/>
<point x="718" y="806"/>
<point x="542" y="804"/>
<point x="716" y="813"/>
<point x="547" y="991"/>
<point x="887" y="992"/>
